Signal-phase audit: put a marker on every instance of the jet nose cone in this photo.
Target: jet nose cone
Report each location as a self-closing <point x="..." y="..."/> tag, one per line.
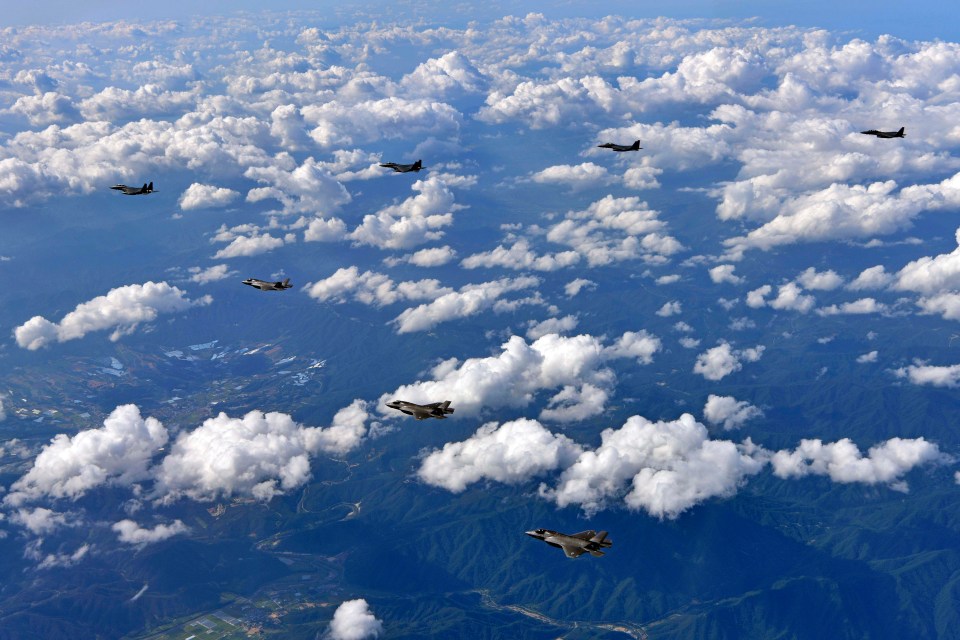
<point x="533" y="534"/>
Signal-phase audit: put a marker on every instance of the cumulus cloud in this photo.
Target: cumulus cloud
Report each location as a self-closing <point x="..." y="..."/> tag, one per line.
<point x="246" y="246"/>
<point x="206" y="196"/>
<point x="514" y="377"/>
<point x="509" y="453"/>
<point x="872" y="278"/>
<point x="842" y="461"/>
<point x="574" y="287"/>
<point x="820" y="280"/>
<point x="551" y="325"/>
<point x="857" y="307"/>
<point x="260" y="455"/>
<point x="469" y="300"/>
<point x="123" y="309"/>
<point x="935" y="376"/>
<point x="789" y="297"/>
<point x="432" y="257"/>
<point x="353" y="620"/>
<point x="669" y="309"/>
<point x="117" y="453"/>
<point x="210" y="274"/>
<point x="663" y="468"/>
<point x="729" y="412"/>
<point x="306" y="188"/>
<point x="867" y="357"/>
<point x="608" y="231"/>
<point x="575" y="177"/>
<point x="724" y="273"/>
<point x="416" y="220"/>
<point x="722" y="360"/>
<point x="129" y="532"/>
<point x="931" y="275"/>
<point x="373" y="288"/>
<point x="39" y="520"/>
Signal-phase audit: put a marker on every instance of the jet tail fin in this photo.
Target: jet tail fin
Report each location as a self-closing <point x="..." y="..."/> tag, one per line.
<point x="597" y="554"/>
<point x="286" y="282"/>
<point x="600" y="537"/>
<point x="144" y="186"/>
<point x="418" y="164"/>
<point x="636" y="145"/>
<point x="150" y="187"/>
<point x="900" y="133"/>
<point x="446" y="405"/>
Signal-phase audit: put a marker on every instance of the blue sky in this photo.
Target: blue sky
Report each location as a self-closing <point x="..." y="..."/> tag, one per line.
<point x="925" y="19"/>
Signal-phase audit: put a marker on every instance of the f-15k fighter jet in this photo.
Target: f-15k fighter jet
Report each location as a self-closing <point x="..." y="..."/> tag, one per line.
<point x="403" y="168"/>
<point x="263" y="285"/>
<point x="437" y="410"/>
<point x="145" y="190"/>
<point x="885" y="134"/>
<point x="576" y="545"/>
<point x="621" y="147"/>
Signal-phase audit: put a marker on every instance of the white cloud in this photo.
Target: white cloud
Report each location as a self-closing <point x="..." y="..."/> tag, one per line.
<point x="210" y="274"/>
<point x="867" y="357"/>
<point x="729" y="411"/>
<point x="40" y="521"/>
<point x="52" y="560"/>
<point x="338" y="124"/>
<point x="789" y="297"/>
<point x="662" y="467"/>
<point x="353" y="620"/>
<point x="417" y="219"/>
<point x="373" y="288"/>
<point x="669" y="279"/>
<point x="936" y="376"/>
<point x="325" y="230"/>
<point x="306" y="188"/>
<point x="129" y="532"/>
<point x="857" y="307"/>
<point x="576" y="177"/>
<point x="246" y="246"/>
<point x="842" y="461"/>
<point x="432" y="257"/>
<point x="469" y="300"/>
<point x="260" y="455"/>
<point x="117" y="453"/>
<point x="551" y="325"/>
<point x="871" y="278"/>
<point x="689" y="343"/>
<point x="722" y="360"/>
<point x="122" y="310"/>
<point x="947" y="305"/>
<point x="724" y="273"/>
<point x="515" y="376"/>
<point x="206" y="196"/>
<point x="820" y="280"/>
<point x="574" y="287"/>
<point x="510" y="453"/>
<point x="669" y="309"/>
<point x="931" y="275"/>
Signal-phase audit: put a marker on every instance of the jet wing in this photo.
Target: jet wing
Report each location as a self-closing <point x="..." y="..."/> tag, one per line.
<point x="585" y="535"/>
<point x="573" y="552"/>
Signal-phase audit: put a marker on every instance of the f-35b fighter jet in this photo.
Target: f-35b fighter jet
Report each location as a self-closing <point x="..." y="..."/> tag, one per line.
<point x="403" y="168"/>
<point x="268" y="286"/>
<point x="884" y="134"/>
<point x="621" y="147"/>
<point x="437" y="410"/>
<point x="145" y="190"/>
<point x="576" y="545"/>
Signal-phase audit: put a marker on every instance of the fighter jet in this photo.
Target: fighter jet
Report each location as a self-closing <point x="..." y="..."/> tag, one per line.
<point x="621" y="147"/>
<point x="437" y="410"/>
<point x="403" y="168"/>
<point x="884" y="134"/>
<point x="145" y="190"/>
<point x="263" y="285"/>
<point x="576" y="545"/>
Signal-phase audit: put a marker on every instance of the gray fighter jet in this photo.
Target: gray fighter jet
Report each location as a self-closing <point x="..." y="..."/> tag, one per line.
<point x="263" y="285"/>
<point x="403" y="168"/>
<point x="621" y="147"/>
<point x="437" y="410"/>
<point x="885" y="134"/>
<point x="576" y="545"/>
<point x="145" y="190"/>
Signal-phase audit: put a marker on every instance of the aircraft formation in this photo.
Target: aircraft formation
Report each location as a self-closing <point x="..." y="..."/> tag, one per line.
<point x="574" y="545"/>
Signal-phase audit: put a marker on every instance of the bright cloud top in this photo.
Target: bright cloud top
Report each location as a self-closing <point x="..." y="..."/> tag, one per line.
<point x="513" y="378"/>
<point x="353" y="620"/>
<point x="123" y="309"/>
